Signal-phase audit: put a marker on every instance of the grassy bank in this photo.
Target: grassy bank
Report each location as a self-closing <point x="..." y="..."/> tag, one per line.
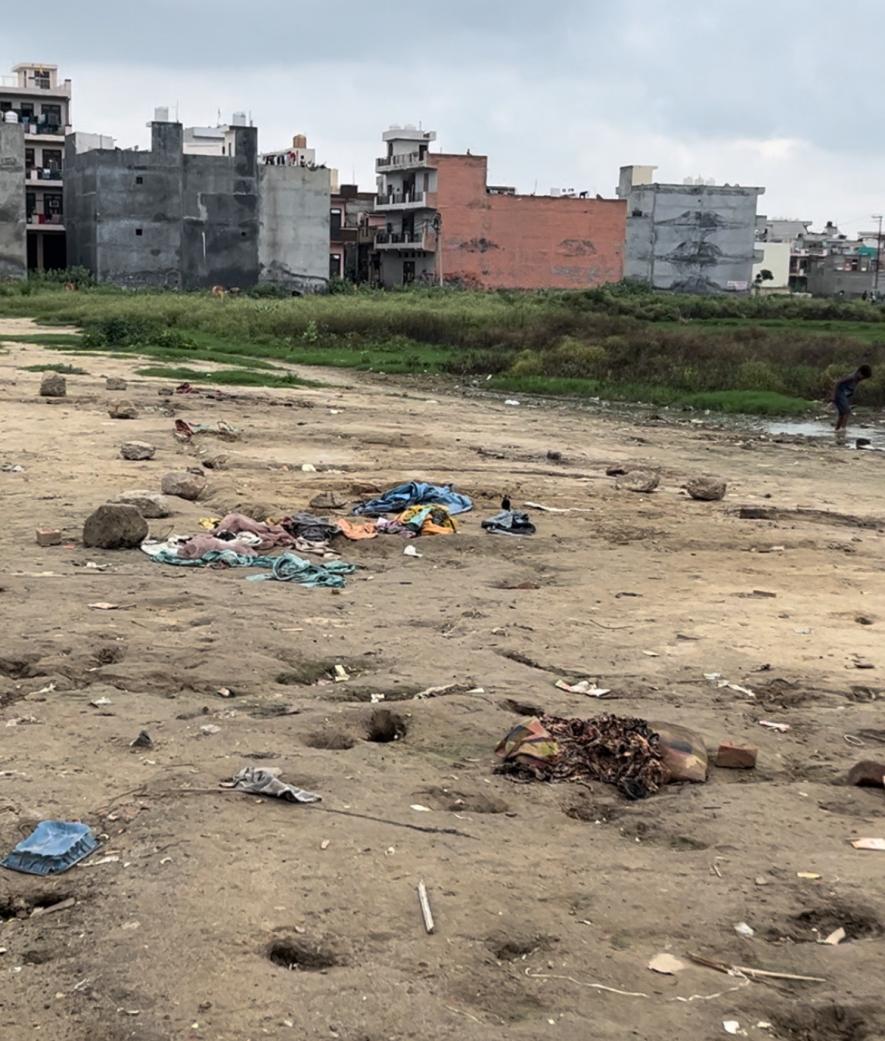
<point x="770" y="355"/>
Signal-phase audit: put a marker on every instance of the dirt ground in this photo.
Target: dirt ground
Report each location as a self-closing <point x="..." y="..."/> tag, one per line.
<point x="550" y="900"/>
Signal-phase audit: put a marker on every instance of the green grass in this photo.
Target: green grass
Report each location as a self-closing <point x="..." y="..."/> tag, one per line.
<point x="226" y="377"/>
<point x="44" y="339"/>
<point x="762" y="355"/>
<point x="70" y="370"/>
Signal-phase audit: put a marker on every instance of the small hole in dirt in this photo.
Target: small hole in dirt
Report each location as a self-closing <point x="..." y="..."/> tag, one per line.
<point x="585" y="809"/>
<point x="385" y="726"/>
<point x="521" y="708"/>
<point x="110" y="655"/>
<point x="818" y="922"/>
<point x="330" y="740"/>
<point x="23" y="907"/>
<point x="514" y="948"/>
<point x="832" y="1023"/>
<point x="17" y="668"/>
<point x="301" y="954"/>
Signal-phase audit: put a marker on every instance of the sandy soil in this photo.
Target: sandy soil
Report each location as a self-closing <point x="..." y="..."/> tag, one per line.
<point x="551" y="894"/>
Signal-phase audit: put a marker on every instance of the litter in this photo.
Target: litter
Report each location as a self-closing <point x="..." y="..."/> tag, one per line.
<point x="51" y="848"/>
<point x="410" y="551"/>
<point x="449" y="688"/>
<point x="11" y="468"/>
<point x="874" y="844"/>
<point x="225" y="692"/>
<point x="418" y="808"/>
<point x="308" y="468"/>
<point x="835" y="937"/>
<point x="414" y="493"/>
<point x="666" y="964"/>
<point x="287" y="567"/>
<point x="781" y="728"/>
<point x="731" y="1026"/>
<point x="142" y="740"/>
<point x="265" y="781"/>
<point x="812" y="875"/>
<point x="100" y="702"/>
<point x="511" y="401"/>
<point x="587" y="687"/>
<point x="208" y="729"/>
<point x="424" y="902"/>
<point x="341" y="674"/>
<point x="103" y="606"/>
<point x="715" y="678"/>
<point x="742" y="929"/>
<point x="509" y="522"/>
<point x="624" y="752"/>
<point x="184" y="431"/>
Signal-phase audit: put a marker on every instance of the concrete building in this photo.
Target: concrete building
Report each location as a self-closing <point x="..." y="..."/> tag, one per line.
<point x="13" y="233"/>
<point x="775" y="259"/>
<point x="166" y="218"/>
<point x="843" y="275"/>
<point x="352" y="234"/>
<point x="444" y="222"/>
<point x="693" y="238"/>
<point x="205" y="140"/>
<point x="35" y="98"/>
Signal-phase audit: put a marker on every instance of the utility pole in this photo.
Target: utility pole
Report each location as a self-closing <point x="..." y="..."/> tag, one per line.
<point x="878" y="217"/>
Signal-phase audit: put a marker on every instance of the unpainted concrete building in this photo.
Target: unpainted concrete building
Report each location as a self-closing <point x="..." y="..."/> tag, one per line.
<point x="690" y="238"/>
<point x="13" y="234"/>
<point x="444" y="222"/>
<point x="168" y="219"/>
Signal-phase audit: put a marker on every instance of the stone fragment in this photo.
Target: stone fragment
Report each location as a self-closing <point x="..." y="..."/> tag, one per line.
<point x="122" y="410"/>
<point x="53" y="385"/>
<point x="137" y="450"/>
<point x="115" y="383"/>
<point x="736" y="757"/>
<point x="115" y="526"/>
<point x="48" y="536"/>
<point x="867" y="774"/>
<point x="639" y="481"/>
<point x="707" y="489"/>
<point x="328" y="501"/>
<point x="151" y="505"/>
<point x="183" y="484"/>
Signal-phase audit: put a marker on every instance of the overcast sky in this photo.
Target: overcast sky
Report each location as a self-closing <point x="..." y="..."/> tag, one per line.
<point x="788" y="94"/>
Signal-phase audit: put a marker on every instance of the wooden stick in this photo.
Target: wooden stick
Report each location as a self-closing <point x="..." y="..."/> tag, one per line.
<point x="424" y="901"/>
<point x="746" y="970"/>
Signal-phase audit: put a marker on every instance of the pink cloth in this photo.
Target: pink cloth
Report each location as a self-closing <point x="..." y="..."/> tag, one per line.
<point x="197" y="545"/>
<point x="271" y="535"/>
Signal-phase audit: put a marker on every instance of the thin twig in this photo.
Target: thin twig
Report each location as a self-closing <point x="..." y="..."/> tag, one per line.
<point x="602" y="625"/>
<point x="632" y="993"/>
<point x="424" y="901"/>
<point x="746" y="970"/>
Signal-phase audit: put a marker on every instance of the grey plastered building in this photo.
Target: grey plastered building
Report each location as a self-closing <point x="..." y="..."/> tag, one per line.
<point x="13" y="236"/>
<point x="691" y="238"/>
<point x="169" y="219"/>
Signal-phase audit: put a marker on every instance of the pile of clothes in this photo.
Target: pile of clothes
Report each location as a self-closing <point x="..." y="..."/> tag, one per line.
<point x="415" y="493"/>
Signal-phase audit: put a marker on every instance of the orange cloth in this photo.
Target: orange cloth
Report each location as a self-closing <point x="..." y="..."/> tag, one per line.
<point x="357" y="529"/>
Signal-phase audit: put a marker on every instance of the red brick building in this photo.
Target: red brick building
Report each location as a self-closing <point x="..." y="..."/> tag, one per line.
<point x="443" y="221"/>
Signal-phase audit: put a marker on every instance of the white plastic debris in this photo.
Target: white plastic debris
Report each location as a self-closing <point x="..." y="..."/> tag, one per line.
<point x="742" y="929"/>
<point x="511" y="401"/>
<point x="308" y="468"/>
<point x="410" y="551"/>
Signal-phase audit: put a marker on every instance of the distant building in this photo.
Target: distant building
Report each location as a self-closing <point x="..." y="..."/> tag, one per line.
<point x="693" y="237"/>
<point x="774" y="261"/>
<point x="442" y="221"/>
<point x="168" y="218"/>
<point x="851" y="275"/>
<point x="35" y="99"/>
<point x="351" y="234"/>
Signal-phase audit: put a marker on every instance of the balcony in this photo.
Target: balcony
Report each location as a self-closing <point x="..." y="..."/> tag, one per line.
<point x="45" y="222"/>
<point x="408" y="161"/>
<point x="51" y="177"/>
<point x="424" y="241"/>
<point x="46" y="130"/>
<point x="401" y="201"/>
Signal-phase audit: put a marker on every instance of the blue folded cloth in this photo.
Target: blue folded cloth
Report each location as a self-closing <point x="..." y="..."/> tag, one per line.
<point x="52" y="847"/>
<point x="415" y="493"/>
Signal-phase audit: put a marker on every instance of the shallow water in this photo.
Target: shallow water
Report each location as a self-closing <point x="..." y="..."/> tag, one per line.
<point x="822" y="428"/>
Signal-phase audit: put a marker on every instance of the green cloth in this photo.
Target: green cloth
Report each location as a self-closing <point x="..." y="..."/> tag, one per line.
<point x="285" y="568"/>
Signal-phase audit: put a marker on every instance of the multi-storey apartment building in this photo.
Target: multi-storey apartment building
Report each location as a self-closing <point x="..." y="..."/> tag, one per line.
<point x="35" y="98"/>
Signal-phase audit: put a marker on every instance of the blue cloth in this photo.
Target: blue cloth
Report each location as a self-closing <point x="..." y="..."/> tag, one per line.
<point x="52" y="847"/>
<point x="287" y="567"/>
<point x="415" y="493"/>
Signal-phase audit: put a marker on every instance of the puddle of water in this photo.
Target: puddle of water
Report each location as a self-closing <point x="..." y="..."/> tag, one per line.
<point x="821" y="428"/>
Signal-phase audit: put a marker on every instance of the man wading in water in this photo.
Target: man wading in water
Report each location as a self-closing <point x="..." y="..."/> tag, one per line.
<point x="843" y="395"/>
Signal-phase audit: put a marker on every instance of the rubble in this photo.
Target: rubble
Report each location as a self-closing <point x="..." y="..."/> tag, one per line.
<point x="122" y="410"/>
<point x="137" y="450"/>
<point x="184" y="485"/>
<point x="115" y="527"/>
<point x="53" y="385"/>
<point x="706" y="489"/>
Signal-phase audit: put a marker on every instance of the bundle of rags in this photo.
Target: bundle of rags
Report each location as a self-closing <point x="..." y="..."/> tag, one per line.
<point x="271" y="535"/>
<point x="616" y="750"/>
<point x="415" y="493"/>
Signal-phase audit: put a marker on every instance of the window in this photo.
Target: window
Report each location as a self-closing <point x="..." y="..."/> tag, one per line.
<point x="29" y="158"/>
<point x="335" y="222"/>
<point x="26" y="109"/>
<point x="139" y="231"/>
<point x="51" y="114"/>
<point x="52" y="159"/>
<point x="334" y="265"/>
<point x="30" y="205"/>
<point x="139" y="180"/>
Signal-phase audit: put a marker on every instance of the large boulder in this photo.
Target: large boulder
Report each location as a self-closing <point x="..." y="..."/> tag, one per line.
<point x="707" y="489"/>
<point x="183" y="484"/>
<point x="123" y="410"/>
<point x="53" y="385"/>
<point x="150" y="505"/>
<point x="137" y="450"/>
<point x="639" y="481"/>
<point x="115" y="526"/>
<point x="115" y="383"/>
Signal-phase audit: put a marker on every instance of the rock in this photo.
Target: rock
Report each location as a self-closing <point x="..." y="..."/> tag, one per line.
<point x="867" y="774"/>
<point x="115" y="526"/>
<point x="150" y="505"/>
<point x="123" y="410"/>
<point x="736" y="757"/>
<point x="639" y="481"/>
<point x="862" y="442"/>
<point x="615" y="471"/>
<point x="707" y="489"/>
<point x="142" y="740"/>
<point x="137" y="450"/>
<point x="48" y="536"/>
<point x="328" y="501"/>
<point x="214" y="462"/>
<point x="183" y="484"/>
<point x="53" y="385"/>
<point x="115" y="383"/>
<point x="554" y="457"/>
<point x="165" y="392"/>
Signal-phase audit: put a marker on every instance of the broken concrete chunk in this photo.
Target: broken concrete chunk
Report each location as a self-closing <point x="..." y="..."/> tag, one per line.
<point x="736" y="757"/>
<point x="123" y="410"/>
<point x="53" y="385"/>
<point x="707" y="489"/>
<point x="115" y="383"/>
<point x="137" y="450"/>
<point x="150" y="505"/>
<point x="639" y="481"/>
<point x="115" y="526"/>
<point x="183" y="484"/>
<point x="48" y="536"/>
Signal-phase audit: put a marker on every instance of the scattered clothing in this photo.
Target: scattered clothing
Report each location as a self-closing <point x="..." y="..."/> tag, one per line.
<point x="307" y="526"/>
<point x="414" y="493"/>
<point x="290" y="568"/>
<point x="184" y="431"/>
<point x="52" y="847"/>
<point x="509" y="522"/>
<point x="428" y="520"/>
<point x="264" y="781"/>
<point x="270" y="535"/>
<point x="619" y="751"/>
<point x="357" y="530"/>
